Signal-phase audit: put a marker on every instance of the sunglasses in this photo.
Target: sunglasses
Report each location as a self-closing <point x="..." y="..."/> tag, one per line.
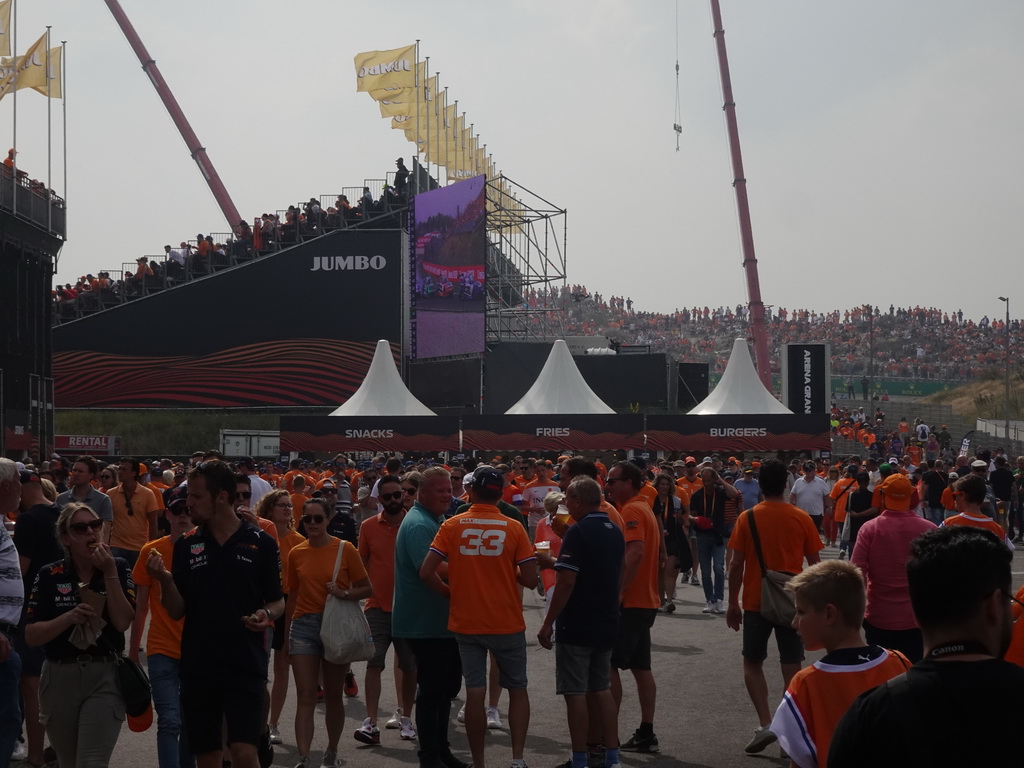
<point x="178" y="510"/>
<point x="390" y="496"/>
<point x="128" y="506"/>
<point x="313" y="519"/>
<point x="83" y="528"/>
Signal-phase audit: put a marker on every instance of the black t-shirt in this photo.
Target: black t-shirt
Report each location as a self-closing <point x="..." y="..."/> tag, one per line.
<point x="704" y="504"/>
<point x="593" y="548"/>
<point x="945" y="713"/>
<point x="35" y="536"/>
<point x="220" y="585"/>
<point x="935" y="483"/>
<point x="56" y="592"/>
<point x="1001" y="480"/>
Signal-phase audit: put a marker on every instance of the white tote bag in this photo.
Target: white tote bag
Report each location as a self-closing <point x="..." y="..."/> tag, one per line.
<point x="344" y="632"/>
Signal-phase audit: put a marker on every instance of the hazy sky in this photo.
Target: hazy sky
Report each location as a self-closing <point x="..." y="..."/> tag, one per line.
<point x="882" y="140"/>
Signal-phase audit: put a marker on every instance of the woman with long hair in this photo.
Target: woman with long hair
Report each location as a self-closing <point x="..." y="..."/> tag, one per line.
<point x="309" y="585"/>
<point x="80" y="703"/>
<point x="108" y="478"/>
<point x="276" y="507"/>
<point x="669" y="510"/>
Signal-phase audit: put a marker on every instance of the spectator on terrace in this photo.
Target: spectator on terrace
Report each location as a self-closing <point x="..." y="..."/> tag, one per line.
<point x="401" y="178"/>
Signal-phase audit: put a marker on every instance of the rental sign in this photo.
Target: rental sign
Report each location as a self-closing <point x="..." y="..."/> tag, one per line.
<point x="94" y="445"/>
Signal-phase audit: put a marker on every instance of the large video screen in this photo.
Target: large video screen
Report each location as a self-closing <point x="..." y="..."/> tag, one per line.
<point x="449" y="244"/>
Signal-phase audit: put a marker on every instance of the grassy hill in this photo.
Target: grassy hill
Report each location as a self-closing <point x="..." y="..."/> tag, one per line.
<point x="984" y="398"/>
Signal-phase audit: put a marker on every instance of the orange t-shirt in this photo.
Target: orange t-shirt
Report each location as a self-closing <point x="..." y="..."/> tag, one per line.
<point x="287" y="544"/>
<point x="1015" y="653"/>
<point x="648" y="494"/>
<point x="690" y="486"/>
<point x="268" y="528"/>
<point x="483" y="549"/>
<point x="131" y="531"/>
<point x="642" y="525"/>
<point x="164" y="633"/>
<point x="818" y="697"/>
<point x="310" y="568"/>
<point x="839" y="494"/>
<point x="377" y="550"/>
<point x="298" y="501"/>
<point x="947" y="498"/>
<point x="977" y="521"/>
<point x="787" y="536"/>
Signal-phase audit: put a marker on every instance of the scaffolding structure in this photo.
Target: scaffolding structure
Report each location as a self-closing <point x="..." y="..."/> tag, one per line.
<point x="526" y="266"/>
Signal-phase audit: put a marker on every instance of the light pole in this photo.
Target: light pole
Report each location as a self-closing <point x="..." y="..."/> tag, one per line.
<point x="1006" y="351"/>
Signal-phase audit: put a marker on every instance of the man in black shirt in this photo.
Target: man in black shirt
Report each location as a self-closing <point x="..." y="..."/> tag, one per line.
<point x="935" y="481"/>
<point x="225" y="581"/>
<point x="1001" y="480"/>
<point x="962" y="683"/>
<point x="35" y="536"/>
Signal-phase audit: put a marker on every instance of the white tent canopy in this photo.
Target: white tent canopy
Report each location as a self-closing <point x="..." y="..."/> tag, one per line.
<point x="739" y="391"/>
<point x="559" y="388"/>
<point x="382" y="393"/>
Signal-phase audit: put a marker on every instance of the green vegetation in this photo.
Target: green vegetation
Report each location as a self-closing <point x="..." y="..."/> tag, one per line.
<point x="162" y="432"/>
<point x="984" y="398"/>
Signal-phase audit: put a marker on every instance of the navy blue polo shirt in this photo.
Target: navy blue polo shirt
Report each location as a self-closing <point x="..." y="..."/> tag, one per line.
<point x="593" y="548"/>
<point x="220" y="585"/>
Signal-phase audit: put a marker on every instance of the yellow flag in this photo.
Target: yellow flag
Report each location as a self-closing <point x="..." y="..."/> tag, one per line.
<point x="400" y="92"/>
<point x="5" y="27"/>
<point x="30" y="68"/>
<point x="406" y="105"/>
<point x="37" y="74"/>
<point x="385" y="69"/>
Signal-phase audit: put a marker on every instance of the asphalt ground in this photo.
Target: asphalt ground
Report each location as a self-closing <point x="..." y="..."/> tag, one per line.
<point x="704" y="717"/>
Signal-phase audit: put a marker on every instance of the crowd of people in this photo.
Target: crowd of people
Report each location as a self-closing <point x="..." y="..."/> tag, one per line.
<point x="267" y="233"/>
<point x="224" y="573"/>
<point x="913" y="342"/>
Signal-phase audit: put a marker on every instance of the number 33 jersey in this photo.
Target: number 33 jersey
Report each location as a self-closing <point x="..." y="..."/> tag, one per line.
<point x="483" y="549"/>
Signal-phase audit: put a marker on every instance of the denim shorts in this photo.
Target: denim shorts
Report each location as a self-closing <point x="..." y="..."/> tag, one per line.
<point x="580" y="669"/>
<point x="304" y="635"/>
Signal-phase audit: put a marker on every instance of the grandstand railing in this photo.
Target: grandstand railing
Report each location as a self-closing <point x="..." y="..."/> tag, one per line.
<point x="29" y="200"/>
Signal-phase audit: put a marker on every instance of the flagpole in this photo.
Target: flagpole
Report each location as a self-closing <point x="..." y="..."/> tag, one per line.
<point x="49" y="133"/>
<point x="416" y="142"/>
<point x="456" y="132"/>
<point x="64" y="114"/>
<point x="426" y="86"/>
<point x="14" y="87"/>
<point x="447" y="166"/>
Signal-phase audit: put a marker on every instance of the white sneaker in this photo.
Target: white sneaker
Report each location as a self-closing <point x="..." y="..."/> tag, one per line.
<point x="709" y="608"/>
<point x="275" y="734"/>
<point x="694" y="581"/>
<point x="407" y="732"/>
<point x="20" y="751"/>
<point x="396" y="719"/>
<point x="461" y="717"/>
<point x="719" y="606"/>
<point x="493" y="718"/>
<point x="330" y="759"/>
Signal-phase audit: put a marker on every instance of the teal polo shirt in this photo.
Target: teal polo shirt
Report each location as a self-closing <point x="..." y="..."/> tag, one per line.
<point x="417" y="610"/>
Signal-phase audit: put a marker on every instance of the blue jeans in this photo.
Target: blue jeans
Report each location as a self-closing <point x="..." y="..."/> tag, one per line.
<point x="711" y="548"/>
<point x="171" y="745"/>
<point x="935" y="514"/>
<point x="10" y="706"/>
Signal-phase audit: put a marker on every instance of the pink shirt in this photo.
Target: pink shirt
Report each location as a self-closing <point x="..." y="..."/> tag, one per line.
<point x="883" y="545"/>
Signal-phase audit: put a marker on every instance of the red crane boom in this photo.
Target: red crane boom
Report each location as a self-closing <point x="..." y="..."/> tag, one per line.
<point x="197" y="150"/>
<point x="758" y="327"/>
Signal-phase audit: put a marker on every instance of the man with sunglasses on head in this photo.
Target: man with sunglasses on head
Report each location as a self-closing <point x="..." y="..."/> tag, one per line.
<point x="163" y="643"/>
<point x="225" y="581"/>
<point x="377" y="537"/>
<point x="135" y="513"/>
